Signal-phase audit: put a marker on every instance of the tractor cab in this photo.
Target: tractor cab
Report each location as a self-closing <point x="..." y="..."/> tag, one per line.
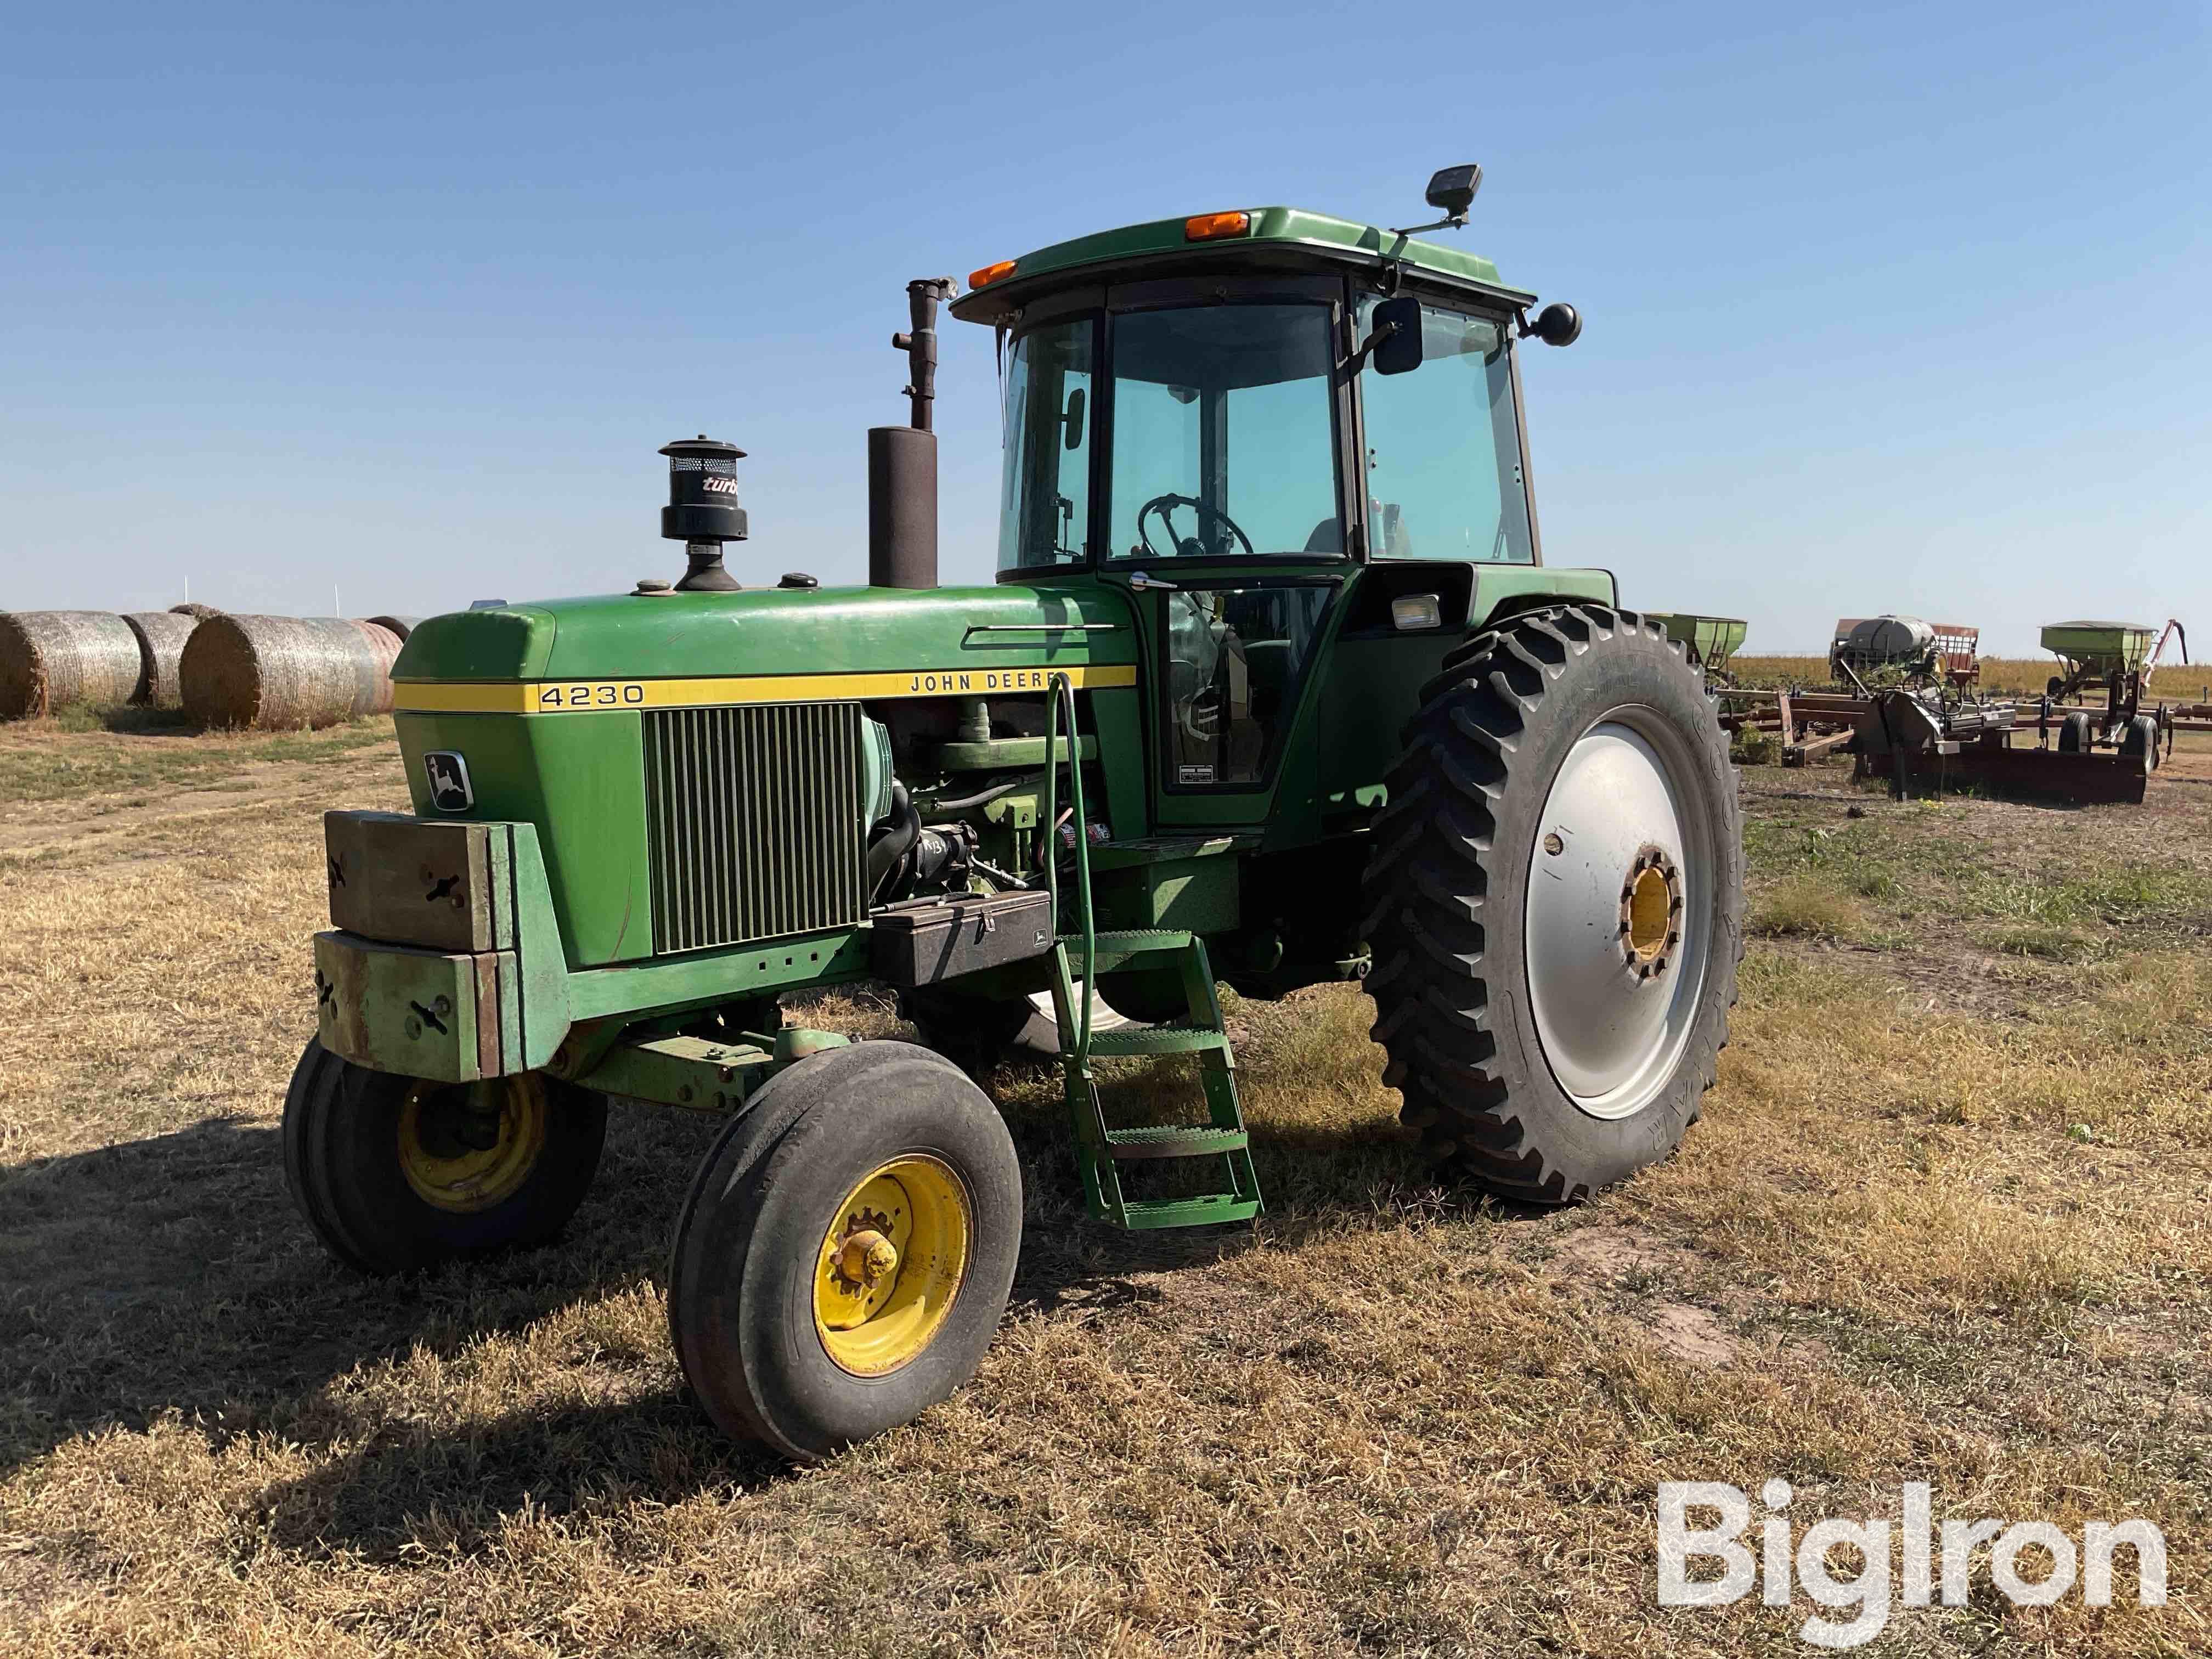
<point x="1279" y="432"/>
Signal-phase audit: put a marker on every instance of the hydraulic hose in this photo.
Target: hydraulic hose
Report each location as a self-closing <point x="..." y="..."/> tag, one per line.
<point x="887" y="850"/>
<point x="987" y="796"/>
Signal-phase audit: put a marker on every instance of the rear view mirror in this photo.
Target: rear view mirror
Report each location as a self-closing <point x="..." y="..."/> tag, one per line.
<point x="1074" y="419"/>
<point x="1557" y="326"/>
<point x="1397" y="335"/>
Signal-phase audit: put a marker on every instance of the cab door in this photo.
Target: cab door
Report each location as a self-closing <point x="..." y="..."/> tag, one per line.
<point x="1230" y="661"/>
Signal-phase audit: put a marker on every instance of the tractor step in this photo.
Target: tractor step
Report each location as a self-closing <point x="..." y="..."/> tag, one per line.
<point x="1140" y="1214"/>
<point x="1160" y="1040"/>
<point x="1111" y="949"/>
<point x="1078" y="957"/>
<point x="1175" y="1141"/>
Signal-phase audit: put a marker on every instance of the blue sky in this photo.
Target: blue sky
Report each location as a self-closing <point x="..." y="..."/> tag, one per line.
<point x="1898" y="309"/>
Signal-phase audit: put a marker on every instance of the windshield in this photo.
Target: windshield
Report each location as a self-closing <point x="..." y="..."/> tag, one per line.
<point x="1223" y="437"/>
<point x="1224" y="432"/>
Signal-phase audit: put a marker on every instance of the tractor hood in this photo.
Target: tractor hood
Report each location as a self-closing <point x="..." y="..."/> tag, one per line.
<point x="824" y="635"/>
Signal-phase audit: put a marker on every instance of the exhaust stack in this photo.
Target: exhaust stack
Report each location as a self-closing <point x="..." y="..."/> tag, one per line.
<point x="903" y="459"/>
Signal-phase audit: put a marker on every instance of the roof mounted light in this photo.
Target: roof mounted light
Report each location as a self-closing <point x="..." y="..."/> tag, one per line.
<point x="990" y="274"/>
<point x="1211" y="226"/>
<point x="1453" y="189"/>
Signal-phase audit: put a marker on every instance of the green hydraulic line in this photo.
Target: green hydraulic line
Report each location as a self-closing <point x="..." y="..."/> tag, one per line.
<point x="1061" y="693"/>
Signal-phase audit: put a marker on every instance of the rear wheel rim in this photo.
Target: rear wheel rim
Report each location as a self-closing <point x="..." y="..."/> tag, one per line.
<point x="465" y="1147"/>
<point x="1618" y="915"/>
<point x="891" y="1264"/>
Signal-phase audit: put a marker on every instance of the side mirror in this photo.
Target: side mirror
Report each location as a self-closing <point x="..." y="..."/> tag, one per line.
<point x="1397" y="336"/>
<point x="1074" y="419"/>
<point x="1557" y="326"/>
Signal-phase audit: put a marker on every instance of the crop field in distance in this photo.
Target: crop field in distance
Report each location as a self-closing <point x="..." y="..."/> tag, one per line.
<point x="1945" y="1219"/>
<point x="2013" y="676"/>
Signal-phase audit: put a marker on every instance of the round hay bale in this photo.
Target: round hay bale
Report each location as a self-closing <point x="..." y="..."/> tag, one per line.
<point x="282" y="671"/>
<point x="161" y="637"/>
<point x="402" y="626"/>
<point x="195" y="609"/>
<point x="50" y="659"/>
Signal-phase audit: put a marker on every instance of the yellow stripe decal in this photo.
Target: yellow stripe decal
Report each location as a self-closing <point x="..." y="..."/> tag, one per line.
<point x="584" y="696"/>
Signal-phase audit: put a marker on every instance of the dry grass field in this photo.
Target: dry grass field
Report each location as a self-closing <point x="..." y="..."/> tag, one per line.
<point x="1948" y="1218"/>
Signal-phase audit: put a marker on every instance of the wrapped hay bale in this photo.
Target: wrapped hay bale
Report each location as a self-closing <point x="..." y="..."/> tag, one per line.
<point x="161" y="637"/>
<point x="194" y="609"/>
<point x="50" y="659"/>
<point x="402" y="626"/>
<point x="279" y="671"/>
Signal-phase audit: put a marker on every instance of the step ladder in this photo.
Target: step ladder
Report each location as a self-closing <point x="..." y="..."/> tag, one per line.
<point x="1077" y="960"/>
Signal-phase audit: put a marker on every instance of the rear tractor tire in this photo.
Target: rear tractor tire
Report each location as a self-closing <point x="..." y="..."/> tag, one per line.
<point x="396" y="1173"/>
<point x="846" y="1251"/>
<point x="1555" y="903"/>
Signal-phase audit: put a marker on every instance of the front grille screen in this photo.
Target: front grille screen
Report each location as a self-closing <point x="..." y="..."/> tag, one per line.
<point x="757" y="829"/>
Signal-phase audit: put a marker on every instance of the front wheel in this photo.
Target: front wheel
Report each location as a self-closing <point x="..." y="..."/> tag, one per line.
<point x="1556" y="903"/>
<point x="396" y="1173"/>
<point x="847" y="1249"/>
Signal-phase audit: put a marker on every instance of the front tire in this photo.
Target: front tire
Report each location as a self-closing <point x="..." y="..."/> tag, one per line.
<point x="1556" y="903"/>
<point x="847" y="1249"/>
<point x="2073" y="734"/>
<point x="396" y="1173"/>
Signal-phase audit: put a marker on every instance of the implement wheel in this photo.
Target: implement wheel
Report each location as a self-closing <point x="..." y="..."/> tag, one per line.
<point x="396" y="1173"/>
<point x="847" y="1249"/>
<point x="2141" y="738"/>
<point x="1556" y="903"/>
<point x="2073" y="734"/>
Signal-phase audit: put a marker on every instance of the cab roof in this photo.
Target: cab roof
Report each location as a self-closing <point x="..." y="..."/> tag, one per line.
<point x="1275" y="236"/>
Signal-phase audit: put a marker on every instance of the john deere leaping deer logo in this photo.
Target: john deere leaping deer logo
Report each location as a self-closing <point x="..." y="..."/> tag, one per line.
<point x="449" y="780"/>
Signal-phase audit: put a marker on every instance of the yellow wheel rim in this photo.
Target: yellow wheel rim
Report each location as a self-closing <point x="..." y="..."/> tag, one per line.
<point x="1649" y="914"/>
<point x="892" y="1263"/>
<point x="468" y="1146"/>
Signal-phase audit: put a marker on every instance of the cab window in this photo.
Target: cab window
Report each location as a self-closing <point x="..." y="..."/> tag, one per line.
<point x="1443" y="447"/>
<point x="1045" y="513"/>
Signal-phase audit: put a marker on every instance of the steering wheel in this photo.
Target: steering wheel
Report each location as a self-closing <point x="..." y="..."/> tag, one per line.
<point x="1164" y="505"/>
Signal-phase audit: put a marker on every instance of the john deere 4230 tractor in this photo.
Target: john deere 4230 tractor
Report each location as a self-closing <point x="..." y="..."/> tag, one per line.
<point x="1274" y="687"/>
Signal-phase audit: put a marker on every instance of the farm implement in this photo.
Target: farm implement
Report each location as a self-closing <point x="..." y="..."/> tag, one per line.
<point x="2100" y="752"/>
<point x="1707" y="641"/>
<point x="1273" y="688"/>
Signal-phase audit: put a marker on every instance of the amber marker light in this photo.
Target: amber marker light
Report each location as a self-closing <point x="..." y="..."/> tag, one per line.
<point x="990" y="274"/>
<point x="1208" y="226"/>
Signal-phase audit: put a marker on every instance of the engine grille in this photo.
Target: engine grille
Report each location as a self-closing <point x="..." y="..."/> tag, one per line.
<point x="756" y="827"/>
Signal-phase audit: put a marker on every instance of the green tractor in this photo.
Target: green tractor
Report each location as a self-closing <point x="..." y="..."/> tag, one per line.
<point x="1273" y="688"/>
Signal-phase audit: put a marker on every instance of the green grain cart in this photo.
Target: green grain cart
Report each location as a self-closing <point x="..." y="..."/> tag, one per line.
<point x="1272" y="688"/>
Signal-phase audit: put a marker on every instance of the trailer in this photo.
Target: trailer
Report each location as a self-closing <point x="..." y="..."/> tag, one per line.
<point x="2120" y="657"/>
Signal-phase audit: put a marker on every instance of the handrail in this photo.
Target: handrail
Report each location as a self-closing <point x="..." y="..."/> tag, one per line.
<point x="1060" y="691"/>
